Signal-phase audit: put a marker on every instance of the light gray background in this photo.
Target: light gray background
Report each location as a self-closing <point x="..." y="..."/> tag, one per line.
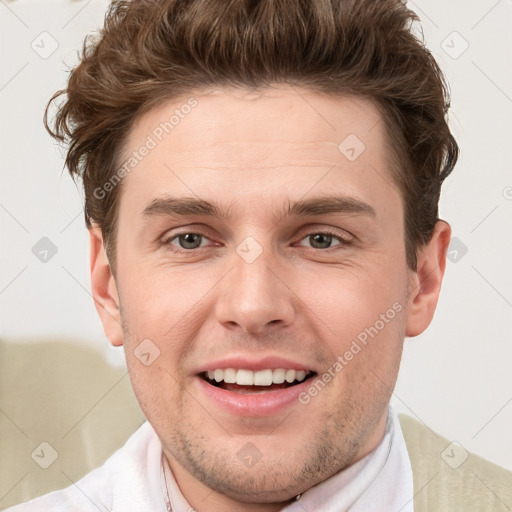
<point x="456" y="377"/>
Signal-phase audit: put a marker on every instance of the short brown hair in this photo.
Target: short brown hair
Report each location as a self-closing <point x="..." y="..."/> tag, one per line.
<point x="150" y="50"/>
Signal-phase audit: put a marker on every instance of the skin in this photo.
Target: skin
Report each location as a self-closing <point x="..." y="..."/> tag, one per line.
<point x="299" y="300"/>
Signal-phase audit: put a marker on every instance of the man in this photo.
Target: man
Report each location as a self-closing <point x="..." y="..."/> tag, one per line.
<point x="262" y="181"/>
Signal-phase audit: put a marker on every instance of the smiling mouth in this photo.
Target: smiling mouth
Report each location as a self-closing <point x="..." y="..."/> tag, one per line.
<point x="248" y="382"/>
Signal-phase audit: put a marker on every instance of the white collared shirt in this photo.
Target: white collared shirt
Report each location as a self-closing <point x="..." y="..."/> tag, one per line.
<point x="132" y="480"/>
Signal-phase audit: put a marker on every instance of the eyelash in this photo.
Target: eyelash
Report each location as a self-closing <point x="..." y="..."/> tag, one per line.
<point x="167" y="241"/>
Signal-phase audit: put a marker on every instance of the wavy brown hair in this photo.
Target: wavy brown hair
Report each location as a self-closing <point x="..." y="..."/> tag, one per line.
<point x="152" y="50"/>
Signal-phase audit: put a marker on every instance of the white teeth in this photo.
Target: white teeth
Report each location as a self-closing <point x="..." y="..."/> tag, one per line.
<point x="278" y="376"/>
<point x="244" y="377"/>
<point x="259" y="378"/>
<point x="301" y="375"/>
<point x="229" y="375"/>
<point x="290" y="376"/>
<point x="263" y="378"/>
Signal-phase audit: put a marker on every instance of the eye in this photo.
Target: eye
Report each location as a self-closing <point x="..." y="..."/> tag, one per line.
<point x="186" y="241"/>
<point x="324" y="239"/>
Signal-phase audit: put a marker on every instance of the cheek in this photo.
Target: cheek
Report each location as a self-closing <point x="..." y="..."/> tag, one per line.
<point x="366" y="360"/>
<point x="155" y="384"/>
<point x="158" y="304"/>
<point x="364" y="318"/>
<point x="349" y="300"/>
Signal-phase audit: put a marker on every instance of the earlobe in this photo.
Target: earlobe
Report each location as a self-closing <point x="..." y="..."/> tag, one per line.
<point x="104" y="289"/>
<point x="425" y="283"/>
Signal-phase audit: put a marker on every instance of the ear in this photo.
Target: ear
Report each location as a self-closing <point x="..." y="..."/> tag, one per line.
<point x="425" y="282"/>
<point x="104" y="289"/>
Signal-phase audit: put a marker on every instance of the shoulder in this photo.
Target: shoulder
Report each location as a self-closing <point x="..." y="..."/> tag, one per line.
<point x="125" y="482"/>
<point x="447" y="477"/>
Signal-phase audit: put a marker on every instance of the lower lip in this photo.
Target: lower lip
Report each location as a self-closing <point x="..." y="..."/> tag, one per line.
<point x="257" y="404"/>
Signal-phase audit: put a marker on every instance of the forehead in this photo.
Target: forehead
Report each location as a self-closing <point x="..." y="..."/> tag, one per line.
<point x="233" y="142"/>
<point x="282" y="116"/>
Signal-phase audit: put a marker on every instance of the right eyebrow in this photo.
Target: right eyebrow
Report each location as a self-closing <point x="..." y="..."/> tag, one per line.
<point x="173" y="206"/>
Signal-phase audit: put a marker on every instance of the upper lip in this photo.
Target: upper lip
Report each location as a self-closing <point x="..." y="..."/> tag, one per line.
<point x="243" y="362"/>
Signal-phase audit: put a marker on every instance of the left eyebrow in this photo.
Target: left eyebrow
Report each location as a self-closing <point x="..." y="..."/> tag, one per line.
<point x="173" y="206"/>
<point x="329" y="204"/>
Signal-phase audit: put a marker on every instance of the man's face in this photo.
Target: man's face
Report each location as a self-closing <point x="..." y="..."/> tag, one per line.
<point x="262" y="290"/>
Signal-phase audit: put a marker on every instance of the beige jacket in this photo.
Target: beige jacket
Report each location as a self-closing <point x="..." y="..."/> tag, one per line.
<point x="449" y="479"/>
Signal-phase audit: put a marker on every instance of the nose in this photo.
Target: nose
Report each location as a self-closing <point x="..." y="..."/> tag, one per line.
<point x="255" y="296"/>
